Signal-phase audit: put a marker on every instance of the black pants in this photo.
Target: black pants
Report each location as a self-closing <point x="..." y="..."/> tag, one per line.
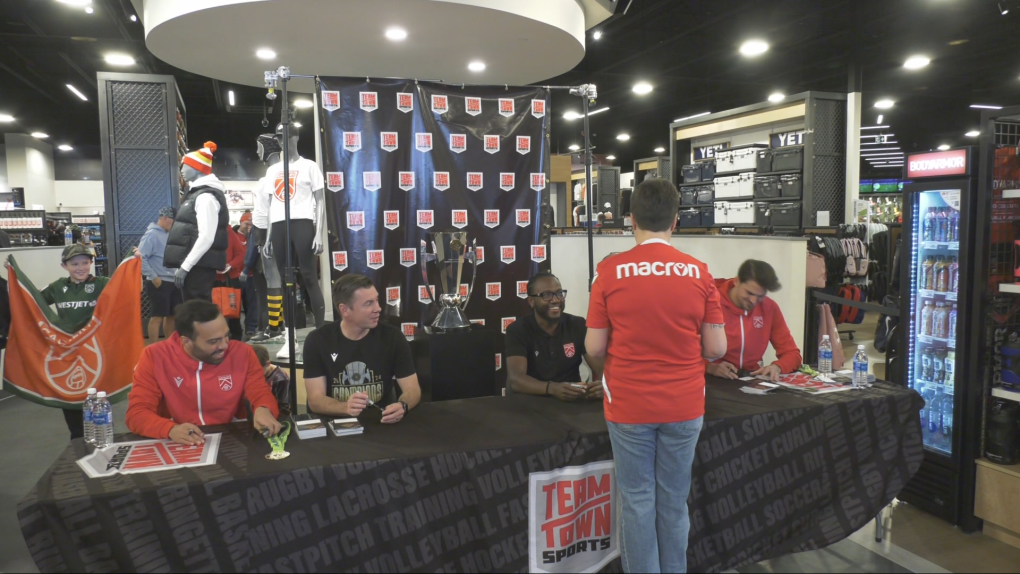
<point x="75" y="420"/>
<point x="302" y="233"/>
<point x="198" y="284"/>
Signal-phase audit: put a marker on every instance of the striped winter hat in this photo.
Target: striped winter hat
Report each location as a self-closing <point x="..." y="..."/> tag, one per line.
<point x="201" y="159"/>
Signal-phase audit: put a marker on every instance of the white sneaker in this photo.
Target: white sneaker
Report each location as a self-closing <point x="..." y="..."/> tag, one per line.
<point x="284" y="352"/>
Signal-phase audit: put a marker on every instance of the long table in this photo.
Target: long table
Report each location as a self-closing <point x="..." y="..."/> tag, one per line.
<point x="447" y="488"/>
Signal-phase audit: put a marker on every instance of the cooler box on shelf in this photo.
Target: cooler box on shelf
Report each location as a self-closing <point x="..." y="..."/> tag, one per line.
<point x="727" y="186"/>
<point x="766" y="187"/>
<point x="786" y="214"/>
<point x="740" y="213"/>
<point x="791" y="185"/>
<point x="724" y="161"/>
<point x="762" y="214"/>
<point x="764" y="161"/>
<point x="745" y="184"/>
<point x="707" y="170"/>
<point x="706" y="194"/>
<point x="692" y="173"/>
<point x="719" y="213"/>
<point x="690" y="218"/>
<point x="788" y="158"/>
<point x="707" y="216"/>
<point x="745" y="157"/>
<point x="689" y="195"/>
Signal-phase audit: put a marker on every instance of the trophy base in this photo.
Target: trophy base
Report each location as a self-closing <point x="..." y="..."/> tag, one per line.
<point x="450" y="319"/>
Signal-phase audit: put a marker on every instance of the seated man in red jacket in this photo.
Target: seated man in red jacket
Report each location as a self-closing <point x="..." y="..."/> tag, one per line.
<point x="199" y="376"/>
<point x="752" y="322"/>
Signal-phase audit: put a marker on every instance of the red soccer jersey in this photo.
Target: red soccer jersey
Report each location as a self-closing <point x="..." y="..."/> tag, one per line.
<point x="654" y="300"/>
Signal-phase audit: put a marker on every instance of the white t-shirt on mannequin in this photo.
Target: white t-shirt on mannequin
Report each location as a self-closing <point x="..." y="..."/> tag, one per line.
<point x="305" y="178"/>
<point x="260" y="214"/>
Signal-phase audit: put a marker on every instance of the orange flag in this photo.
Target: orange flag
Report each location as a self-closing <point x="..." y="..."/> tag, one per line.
<point x="48" y="365"/>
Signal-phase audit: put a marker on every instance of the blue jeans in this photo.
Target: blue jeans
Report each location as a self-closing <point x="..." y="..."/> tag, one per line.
<point x="653" y="474"/>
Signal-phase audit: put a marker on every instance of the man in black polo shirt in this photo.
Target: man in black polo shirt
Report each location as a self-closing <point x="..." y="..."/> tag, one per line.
<point x="544" y="349"/>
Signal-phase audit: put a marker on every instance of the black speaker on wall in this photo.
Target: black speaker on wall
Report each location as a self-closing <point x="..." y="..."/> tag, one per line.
<point x="1002" y="432"/>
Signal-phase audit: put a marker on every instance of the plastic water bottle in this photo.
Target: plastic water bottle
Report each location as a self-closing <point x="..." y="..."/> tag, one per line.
<point x="921" y="390"/>
<point x="102" y="421"/>
<point x="933" y="417"/>
<point x="947" y="416"/>
<point x="90" y="404"/>
<point x="860" y="368"/>
<point x="825" y="356"/>
<point x="68" y="235"/>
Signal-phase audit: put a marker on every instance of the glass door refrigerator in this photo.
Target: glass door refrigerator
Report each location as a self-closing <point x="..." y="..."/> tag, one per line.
<point x="938" y="235"/>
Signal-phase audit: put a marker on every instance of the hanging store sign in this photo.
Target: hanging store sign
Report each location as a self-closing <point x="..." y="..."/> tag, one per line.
<point x="708" y="151"/>
<point x="786" y="138"/>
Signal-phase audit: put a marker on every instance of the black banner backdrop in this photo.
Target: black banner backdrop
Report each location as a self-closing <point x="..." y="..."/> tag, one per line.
<point x="405" y="158"/>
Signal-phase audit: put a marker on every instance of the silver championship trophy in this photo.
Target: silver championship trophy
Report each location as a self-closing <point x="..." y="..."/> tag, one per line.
<point x="451" y="251"/>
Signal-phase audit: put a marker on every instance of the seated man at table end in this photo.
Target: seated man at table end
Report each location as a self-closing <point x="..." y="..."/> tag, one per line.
<point x="198" y="377"/>
<point x="356" y="360"/>
<point x="544" y="349"/>
<point x="752" y="322"/>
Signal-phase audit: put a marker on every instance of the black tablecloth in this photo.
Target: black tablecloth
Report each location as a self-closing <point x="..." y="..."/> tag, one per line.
<point x="447" y="488"/>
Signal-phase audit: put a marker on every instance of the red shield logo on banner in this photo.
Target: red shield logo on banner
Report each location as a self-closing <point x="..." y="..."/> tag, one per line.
<point x="440" y="104"/>
<point x="507" y="321"/>
<point x="393" y="296"/>
<point x="352" y="141"/>
<point x="458" y="143"/>
<point x="499" y="359"/>
<point x="493" y="291"/>
<point x="492" y="218"/>
<point x="508" y="253"/>
<point x="479" y="255"/>
<point x="334" y="180"/>
<point x="473" y="106"/>
<point x="478" y="322"/>
<point x="406" y="180"/>
<point x="355" y="220"/>
<point x="538" y="108"/>
<point x="408" y="256"/>
<point x="474" y="180"/>
<point x="369" y="101"/>
<point x="523" y="217"/>
<point x="408" y="330"/>
<point x="423" y="142"/>
<point x="538" y="181"/>
<point x="522" y="289"/>
<point x="523" y="145"/>
<point x="506" y="181"/>
<point x="405" y="102"/>
<point x="330" y="100"/>
<point x="278" y="189"/>
<point x="372" y="180"/>
<point x="340" y="260"/>
<point x="506" y="107"/>
<point x="388" y="141"/>
<point x="391" y="219"/>
<point x="464" y="290"/>
<point x="460" y="218"/>
<point x="538" y="253"/>
<point x="441" y="180"/>
<point x="423" y="293"/>
<point x="376" y="258"/>
<point x="425" y="218"/>
<point x="492" y="144"/>
<point x="568" y="350"/>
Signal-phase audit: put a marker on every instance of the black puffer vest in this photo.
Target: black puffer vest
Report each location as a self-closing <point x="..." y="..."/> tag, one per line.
<point x="184" y="233"/>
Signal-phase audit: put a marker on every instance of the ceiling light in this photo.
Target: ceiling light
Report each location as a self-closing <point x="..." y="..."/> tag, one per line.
<point x="880" y="118"/>
<point x="985" y="107"/>
<point x="623" y="137"/>
<point x="303" y="104"/>
<point x="40" y="135"/>
<point x="877" y="136"/>
<point x="610" y="157"/>
<point x="396" y="34"/>
<point x="943" y="147"/>
<point x="134" y="18"/>
<point x="874" y="127"/>
<point x="777" y="97"/>
<point x="64" y="147"/>
<point x="119" y="60"/>
<point x="5" y="118"/>
<point x="571" y="116"/>
<point x="642" y="88"/>
<point x="916" y="62"/>
<point x="880" y="143"/>
<point x="75" y="2"/>
<point x="230" y="97"/>
<point x="296" y="124"/>
<point x="89" y="10"/>
<point x="476" y="66"/>
<point x="884" y="104"/>
<point x="77" y="93"/>
<point x="754" y="48"/>
<point x="884" y="149"/>
<point x="879" y="155"/>
<point x="972" y="134"/>
<point x="265" y="54"/>
<point x="660" y="149"/>
<point x="597" y="34"/>
<point x="1002" y="10"/>
<point x="574" y="147"/>
<point x="692" y="117"/>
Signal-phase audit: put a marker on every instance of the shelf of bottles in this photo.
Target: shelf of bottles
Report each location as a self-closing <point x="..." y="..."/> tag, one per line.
<point x="935" y="286"/>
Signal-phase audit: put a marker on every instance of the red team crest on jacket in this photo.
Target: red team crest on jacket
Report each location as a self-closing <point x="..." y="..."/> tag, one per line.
<point x="391" y="219"/>
<point x="405" y="102"/>
<point x="278" y="185"/>
<point x="334" y="180"/>
<point x="369" y="101"/>
<point x="568" y="350"/>
<point x="226" y="382"/>
<point x="473" y="106"/>
<point x="759" y="322"/>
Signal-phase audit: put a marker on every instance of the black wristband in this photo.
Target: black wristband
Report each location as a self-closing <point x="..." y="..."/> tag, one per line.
<point x="406" y="408"/>
<point x="547" y="388"/>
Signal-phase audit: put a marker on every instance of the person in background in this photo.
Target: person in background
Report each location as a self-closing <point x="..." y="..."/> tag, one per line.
<point x="244" y="227"/>
<point x="159" y="286"/>
<point x="752" y="322"/>
<point x="170" y="374"/>
<point x="278" y="379"/>
<point x="544" y="349"/>
<point x="654" y="314"/>
<point x="231" y="275"/>
<point x="252" y="313"/>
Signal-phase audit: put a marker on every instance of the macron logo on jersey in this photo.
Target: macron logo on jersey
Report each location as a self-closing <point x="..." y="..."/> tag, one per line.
<point x="659" y="269"/>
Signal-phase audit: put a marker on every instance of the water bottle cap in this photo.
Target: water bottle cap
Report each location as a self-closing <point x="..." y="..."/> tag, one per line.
<point x="825" y="337"/>
<point x="102" y="394"/>
<point x="92" y="391"/>
<point x="860" y="347"/>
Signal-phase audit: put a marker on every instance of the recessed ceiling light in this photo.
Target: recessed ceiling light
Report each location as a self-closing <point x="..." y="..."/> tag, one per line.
<point x="574" y="147"/>
<point x="77" y="93"/>
<point x="5" y="118"/>
<point x="692" y="117"/>
<point x="119" y="60"/>
<point x="477" y="66"/>
<point x="396" y="34"/>
<point x="40" y="135"/>
<point x="230" y="97"/>
<point x="880" y="118"/>
<point x="642" y="88"/>
<point x="303" y="104"/>
<point x="89" y="10"/>
<point x="754" y="48"/>
<point x="75" y="2"/>
<point x="571" y="116"/>
<point x="884" y="104"/>
<point x="985" y="107"/>
<point x="623" y="137"/>
<point x="64" y="147"/>
<point x="660" y="149"/>
<point x="265" y="54"/>
<point x="297" y="124"/>
<point x="597" y="34"/>
<point x="777" y="97"/>
<point x="943" y="147"/>
<point x="1002" y="10"/>
<point x="134" y="18"/>
<point x="972" y="134"/>
<point x="610" y="157"/>
<point x="916" y="62"/>
<point x="874" y="127"/>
